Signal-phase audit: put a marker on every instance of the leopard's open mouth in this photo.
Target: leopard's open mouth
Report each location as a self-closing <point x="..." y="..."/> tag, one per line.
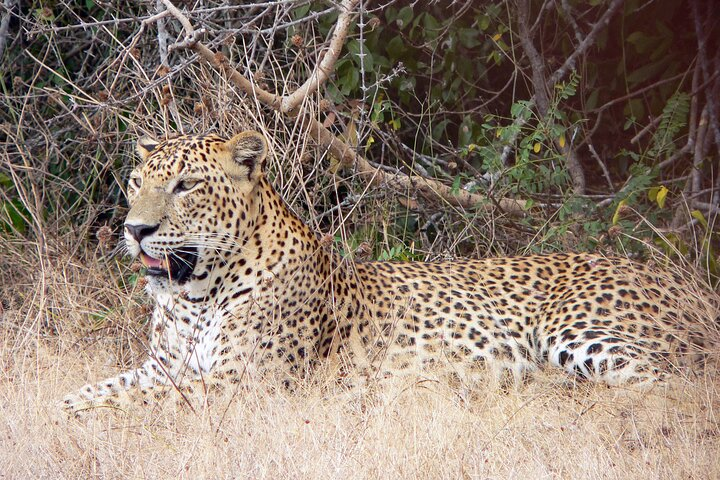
<point x="176" y="266"/>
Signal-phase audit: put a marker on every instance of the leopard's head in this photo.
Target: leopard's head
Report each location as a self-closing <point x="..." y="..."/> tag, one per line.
<point x="191" y="201"/>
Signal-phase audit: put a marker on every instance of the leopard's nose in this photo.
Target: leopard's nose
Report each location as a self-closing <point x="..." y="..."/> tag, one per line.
<point x="138" y="232"/>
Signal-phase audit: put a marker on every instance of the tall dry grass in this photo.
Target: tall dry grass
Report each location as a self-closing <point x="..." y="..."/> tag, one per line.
<point x="549" y="428"/>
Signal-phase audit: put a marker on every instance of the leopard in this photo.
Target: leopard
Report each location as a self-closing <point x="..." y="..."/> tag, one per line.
<point x="243" y="287"/>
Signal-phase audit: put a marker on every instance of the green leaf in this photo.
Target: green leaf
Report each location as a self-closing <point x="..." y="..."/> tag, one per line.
<point x="404" y="17"/>
<point x="674" y="118"/>
<point x="438" y="129"/>
<point x="432" y="26"/>
<point x="635" y="107"/>
<point x="455" y="189"/>
<point x="301" y="12"/>
<point x="642" y="42"/>
<point x="520" y="109"/>
<point x="629" y="122"/>
<point x="645" y="73"/>
<point x="395" y="48"/>
<point x="469" y="37"/>
<point x="354" y="47"/>
<point x="592" y="100"/>
<point x="697" y="215"/>
<point x="6" y="181"/>
<point x="16" y="215"/>
<point x="465" y="133"/>
<point x="45" y="14"/>
<point x="484" y="22"/>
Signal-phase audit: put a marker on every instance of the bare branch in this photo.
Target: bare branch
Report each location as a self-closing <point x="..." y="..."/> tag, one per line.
<point x="325" y="67"/>
<point x="336" y="147"/>
<point x="219" y="61"/>
<point x="603" y="167"/>
<point x="536" y="63"/>
<point x="180" y="17"/>
<point x="189" y="41"/>
<point x="8" y="5"/>
<point x="700" y="149"/>
<point x="587" y="42"/>
<point x="702" y="38"/>
<point x="162" y="36"/>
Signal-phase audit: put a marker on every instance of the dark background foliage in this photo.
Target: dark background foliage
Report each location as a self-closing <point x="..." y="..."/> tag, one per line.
<point x="601" y="116"/>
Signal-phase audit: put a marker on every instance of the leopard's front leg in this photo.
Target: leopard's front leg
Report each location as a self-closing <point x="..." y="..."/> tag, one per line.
<point x="140" y="384"/>
<point x="166" y="369"/>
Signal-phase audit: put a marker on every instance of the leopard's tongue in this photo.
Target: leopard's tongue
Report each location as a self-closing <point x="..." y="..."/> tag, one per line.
<point x="151" y="262"/>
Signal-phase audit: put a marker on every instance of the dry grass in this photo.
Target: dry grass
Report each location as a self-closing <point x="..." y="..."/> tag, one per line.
<point x="547" y="429"/>
<point x="70" y="315"/>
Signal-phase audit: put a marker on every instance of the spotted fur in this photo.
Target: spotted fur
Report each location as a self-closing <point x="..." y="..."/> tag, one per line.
<point x="242" y="287"/>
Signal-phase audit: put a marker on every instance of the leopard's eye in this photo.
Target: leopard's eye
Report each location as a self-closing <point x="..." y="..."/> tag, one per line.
<point x="136" y="182"/>
<point x="186" y="185"/>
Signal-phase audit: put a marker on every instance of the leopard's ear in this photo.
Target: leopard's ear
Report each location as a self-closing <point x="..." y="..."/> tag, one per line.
<point x="145" y="146"/>
<point x="248" y="151"/>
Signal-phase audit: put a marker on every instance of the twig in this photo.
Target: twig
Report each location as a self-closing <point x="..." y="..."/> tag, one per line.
<point x="675" y="156"/>
<point x="189" y="41"/>
<point x="606" y="173"/>
<point x="162" y="36"/>
<point x="708" y="207"/>
<point x="8" y="5"/>
<point x="537" y="66"/>
<point x="646" y="129"/>
<point x="569" y="63"/>
<point x="327" y="64"/>
<point x="638" y="92"/>
<point x="567" y="11"/>
<point x="702" y="38"/>
<point x="180" y="17"/>
<point x="699" y="153"/>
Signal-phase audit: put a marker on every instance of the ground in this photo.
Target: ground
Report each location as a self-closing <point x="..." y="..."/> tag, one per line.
<point x="53" y="340"/>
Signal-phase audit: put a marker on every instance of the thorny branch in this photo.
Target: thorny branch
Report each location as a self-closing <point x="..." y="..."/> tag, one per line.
<point x="339" y="149"/>
<point x="325" y="67"/>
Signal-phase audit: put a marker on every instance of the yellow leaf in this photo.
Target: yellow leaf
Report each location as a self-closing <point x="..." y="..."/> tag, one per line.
<point x="652" y="193"/>
<point x="349" y="136"/>
<point x="561" y="141"/>
<point x="471" y="147"/>
<point x="616" y="216"/>
<point x="536" y="147"/>
<point x="335" y="164"/>
<point x="498" y="133"/>
<point x="661" y="196"/>
<point x="497" y="37"/>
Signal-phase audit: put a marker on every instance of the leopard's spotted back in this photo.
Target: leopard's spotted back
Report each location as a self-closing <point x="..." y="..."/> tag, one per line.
<point x="242" y="286"/>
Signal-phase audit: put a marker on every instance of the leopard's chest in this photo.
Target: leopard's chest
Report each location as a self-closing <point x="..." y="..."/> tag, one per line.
<point x="188" y="336"/>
